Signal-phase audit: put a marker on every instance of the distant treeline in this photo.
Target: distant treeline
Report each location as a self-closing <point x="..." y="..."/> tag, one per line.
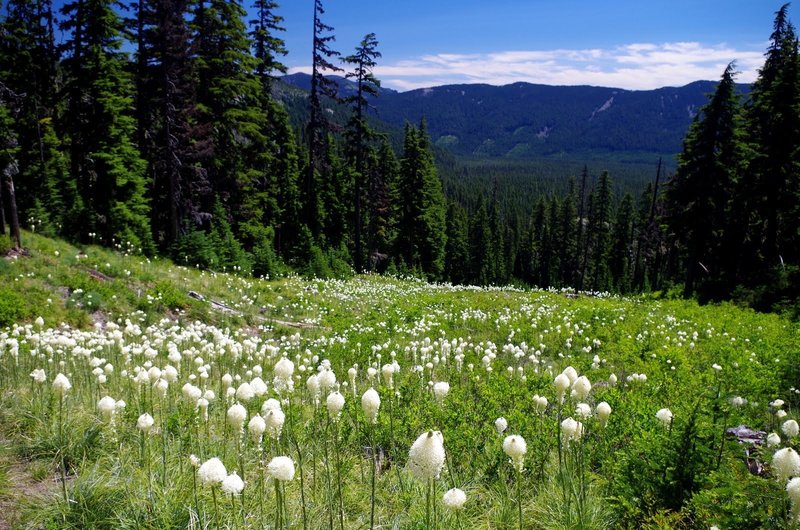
<point x="182" y="147"/>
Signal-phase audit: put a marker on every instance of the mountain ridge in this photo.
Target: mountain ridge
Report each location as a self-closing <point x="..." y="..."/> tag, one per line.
<point x="528" y="120"/>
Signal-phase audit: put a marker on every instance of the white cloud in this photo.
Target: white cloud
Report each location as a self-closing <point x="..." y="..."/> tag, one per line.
<point x="637" y="66"/>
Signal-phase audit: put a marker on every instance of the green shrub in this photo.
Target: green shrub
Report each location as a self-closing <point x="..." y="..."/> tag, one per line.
<point x="5" y="244"/>
<point x="13" y="307"/>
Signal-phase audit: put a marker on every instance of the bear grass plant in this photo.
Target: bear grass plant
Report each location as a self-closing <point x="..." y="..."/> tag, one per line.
<point x="632" y="473"/>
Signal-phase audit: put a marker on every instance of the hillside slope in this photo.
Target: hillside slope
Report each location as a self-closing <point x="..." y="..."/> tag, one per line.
<point x="527" y="120"/>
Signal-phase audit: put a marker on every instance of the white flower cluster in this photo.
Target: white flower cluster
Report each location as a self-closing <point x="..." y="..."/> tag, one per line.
<point x="371" y="403"/>
<point x="515" y="447"/>
<point x="785" y="464"/>
<point x="665" y="417"/>
<point x="281" y="468"/>
<point x="426" y="456"/>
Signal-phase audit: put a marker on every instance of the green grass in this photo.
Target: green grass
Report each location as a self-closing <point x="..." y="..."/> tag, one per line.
<point x="133" y="313"/>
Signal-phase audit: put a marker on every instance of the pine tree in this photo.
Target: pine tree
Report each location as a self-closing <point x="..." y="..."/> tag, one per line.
<point x="334" y="192"/>
<point x="480" y="237"/>
<point x="582" y="239"/>
<point x="101" y="130"/>
<point x="568" y="234"/>
<point x="621" y="245"/>
<point x="359" y="131"/>
<point x="600" y="229"/>
<point x="456" y="258"/>
<point x="421" y="234"/>
<point x="542" y="253"/>
<point x="318" y="124"/>
<point x="497" y="273"/>
<point x="230" y="98"/>
<point x="699" y="195"/>
<point x="774" y="126"/>
<point x="28" y="70"/>
<point x="266" y="43"/>
<point x="555" y="241"/>
<point x="382" y="195"/>
<point x="175" y="142"/>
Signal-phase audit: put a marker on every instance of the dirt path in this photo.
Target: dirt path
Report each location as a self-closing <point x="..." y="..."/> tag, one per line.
<point x="18" y="486"/>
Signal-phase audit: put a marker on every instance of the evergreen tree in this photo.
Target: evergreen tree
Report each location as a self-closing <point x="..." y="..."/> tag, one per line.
<point x="497" y="273"/>
<point x="600" y="229"/>
<point x="480" y="237"/>
<point x="359" y="131"/>
<point x="621" y="244"/>
<point x="318" y="124"/>
<point x="266" y="43"/>
<point x="555" y="241"/>
<point x="175" y="142"/>
<point x="699" y="195"/>
<point x="334" y="192"/>
<point x="28" y="70"/>
<point x="582" y="239"/>
<point x="104" y="159"/>
<point x="456" y="257"/>
<point x="568" y="236"/>
<point x="230" y="97"/>
<point x="421" y="234"/>
<point x="382" y="195"/>
<point x="774" y="126"/>
<point x="541" y="245"/>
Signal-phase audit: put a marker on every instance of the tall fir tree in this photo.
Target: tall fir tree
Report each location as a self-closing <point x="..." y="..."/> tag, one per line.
<point x="101" y="130"/>
<point x="599" y="228"/>
<point x="541" y="245"/>
<point x="480" y="240"/>
<point x="700" y="193"/>
<point x="456" y="257"/>
<point x="621" y="246"/>
<point x="267" y="45"/>
<point x="318" y="127"/>
<point x="774" y="136"/>
<point x="359" y="132"/>
<point x="28" y="70"/>
<point x="175" y="142"/>
<point x="568" y="234"/>
<point x="421" y="237"/>
<point x="382" y="173"/>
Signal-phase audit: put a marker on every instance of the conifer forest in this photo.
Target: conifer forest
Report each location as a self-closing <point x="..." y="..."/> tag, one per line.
<point x="228" y="301"/>
<point x="158" y="129"/>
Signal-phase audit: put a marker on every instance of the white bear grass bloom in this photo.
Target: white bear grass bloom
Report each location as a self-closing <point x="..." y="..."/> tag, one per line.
<point x="237" y="414"/>
<point x="61" y="385"/>
<point x="145" y="423"/>
<point x="371" y="403"/>
<point x="454" y="499"/>
<point x="790" y="428"/>
<point x="232" y="484"/>
<point x="426" y="456"/>
<point x="212" y="472"/>
<point x="785" y="464"/>
<point x="515" y="447"/>
<point x="281" y="468"/>
<point x="603" y="411"/>
<point x="665" y="417"/>
<point x="500" y="425"/>
<point x="335" y="404"/>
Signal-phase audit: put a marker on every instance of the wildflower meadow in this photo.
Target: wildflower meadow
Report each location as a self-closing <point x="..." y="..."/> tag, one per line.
<point x="147" y="395"/>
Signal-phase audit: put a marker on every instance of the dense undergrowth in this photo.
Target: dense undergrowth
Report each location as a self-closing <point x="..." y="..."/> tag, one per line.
<point x="128" y="328"/>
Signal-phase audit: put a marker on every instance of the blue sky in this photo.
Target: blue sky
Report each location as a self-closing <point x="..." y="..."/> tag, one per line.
<point x="640" y="44"/>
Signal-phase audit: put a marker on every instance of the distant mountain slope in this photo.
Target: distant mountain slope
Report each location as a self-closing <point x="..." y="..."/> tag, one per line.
<point x="524" y="120"/>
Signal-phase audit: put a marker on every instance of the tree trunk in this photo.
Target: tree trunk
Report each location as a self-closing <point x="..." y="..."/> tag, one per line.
<point x="12" y="211"/>
<point x="2" y="212"/>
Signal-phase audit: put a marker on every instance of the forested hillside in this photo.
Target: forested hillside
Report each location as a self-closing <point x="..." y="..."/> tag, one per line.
<point x="524" y="120"/>
<point x="163" y="129"/>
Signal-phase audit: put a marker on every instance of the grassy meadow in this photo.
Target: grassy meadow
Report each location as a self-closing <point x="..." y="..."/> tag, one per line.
<point x="165" y="368"/>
